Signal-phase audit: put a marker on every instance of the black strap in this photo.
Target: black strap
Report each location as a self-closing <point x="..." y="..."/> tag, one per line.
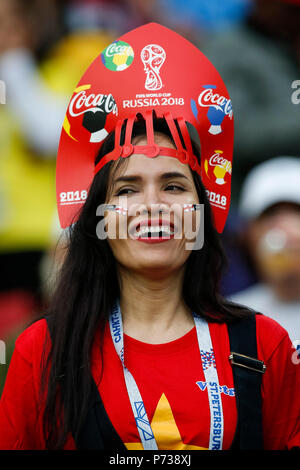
<point x="97" y="433"/>
<point x="247" y="374"/>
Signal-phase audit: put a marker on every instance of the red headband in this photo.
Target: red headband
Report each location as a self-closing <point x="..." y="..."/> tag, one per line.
<point x="152" y="149"/>
<point x="148" y="69"/>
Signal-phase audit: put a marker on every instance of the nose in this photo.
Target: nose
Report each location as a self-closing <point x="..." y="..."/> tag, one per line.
<point x="152" y="202"/>
<point x="151" y="195"/>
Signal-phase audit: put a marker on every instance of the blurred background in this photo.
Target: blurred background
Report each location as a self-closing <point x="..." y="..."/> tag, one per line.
<point x="46" y="45"/>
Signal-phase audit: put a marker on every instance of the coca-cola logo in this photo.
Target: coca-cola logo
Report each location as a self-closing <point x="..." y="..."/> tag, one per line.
<point x="118" y="48"/>
<point x="94" y="108"/>
<point x="219" y="160"/>
<point x="82" y="103"/>
<point x="208" y="97"/>
<point x="118" y="56"/>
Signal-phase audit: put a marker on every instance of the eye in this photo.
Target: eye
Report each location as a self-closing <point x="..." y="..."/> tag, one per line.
<point x="175" y="187"/>
<point x="124" y="191"/>
<point x="171" y="187"/>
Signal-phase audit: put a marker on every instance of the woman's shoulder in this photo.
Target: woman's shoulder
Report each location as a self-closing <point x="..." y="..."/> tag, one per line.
<point x="266" y="326"/>
<point x="32" y="340"/>
<point x="270" y="336"/>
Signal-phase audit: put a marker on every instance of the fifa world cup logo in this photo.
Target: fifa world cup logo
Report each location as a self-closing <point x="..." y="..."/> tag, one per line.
<point x="153" y="57"/>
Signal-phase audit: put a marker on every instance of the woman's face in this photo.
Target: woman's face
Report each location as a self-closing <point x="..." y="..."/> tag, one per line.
<point x="274" y="242"/>
<point x="144" y="185"/>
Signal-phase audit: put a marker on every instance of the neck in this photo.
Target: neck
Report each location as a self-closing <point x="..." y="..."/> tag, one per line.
<point x="153" y="311"/>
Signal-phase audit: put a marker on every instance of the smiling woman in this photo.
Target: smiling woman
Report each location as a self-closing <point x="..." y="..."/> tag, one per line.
<point x="138" y="355"/>
<point x="159" y="285"/>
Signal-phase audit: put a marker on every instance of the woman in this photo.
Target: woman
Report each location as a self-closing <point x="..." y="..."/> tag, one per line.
<point x="159" y="298"/>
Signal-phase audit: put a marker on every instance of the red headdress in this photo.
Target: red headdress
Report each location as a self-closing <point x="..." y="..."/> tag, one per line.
<point x="150" y="69"/>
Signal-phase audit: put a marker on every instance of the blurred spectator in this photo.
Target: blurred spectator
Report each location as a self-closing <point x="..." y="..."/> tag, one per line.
<point x="37" y="96"/>
<point x="91" y="25"/>
<point x="259" y="60"/>
<point x="270" y="207"/>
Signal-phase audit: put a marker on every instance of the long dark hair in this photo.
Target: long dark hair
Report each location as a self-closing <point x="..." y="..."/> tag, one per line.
<point x="87" y="289"/>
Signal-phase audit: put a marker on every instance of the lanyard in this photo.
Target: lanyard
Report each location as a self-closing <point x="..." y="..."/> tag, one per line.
<point x="210" y="373"/>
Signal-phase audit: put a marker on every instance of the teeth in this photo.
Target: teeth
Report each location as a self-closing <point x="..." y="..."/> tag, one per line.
<point x="162" y="228"/>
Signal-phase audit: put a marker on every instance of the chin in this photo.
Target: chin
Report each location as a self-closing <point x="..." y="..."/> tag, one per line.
<point x="152" y="261"/>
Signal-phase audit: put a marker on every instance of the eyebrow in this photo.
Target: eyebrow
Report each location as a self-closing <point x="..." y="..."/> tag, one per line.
<point x="164" y="176"/>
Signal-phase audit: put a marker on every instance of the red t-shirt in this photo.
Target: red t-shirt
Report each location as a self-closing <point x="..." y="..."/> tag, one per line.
<point x="172" y="384"/>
